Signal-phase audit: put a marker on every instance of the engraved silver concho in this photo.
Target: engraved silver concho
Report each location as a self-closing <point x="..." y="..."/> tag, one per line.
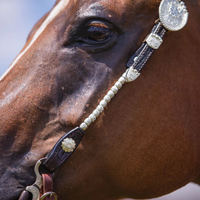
<point x="173" y="14"/>
<point x="68" y="145"/>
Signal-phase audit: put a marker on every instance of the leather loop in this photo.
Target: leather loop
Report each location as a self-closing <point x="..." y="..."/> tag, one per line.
<point x="24" y="195"/>
<point x="47" y="182"/>
<point x="47" y="187"/>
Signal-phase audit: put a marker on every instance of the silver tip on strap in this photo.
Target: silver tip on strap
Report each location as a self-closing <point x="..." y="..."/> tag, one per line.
<point x="154" y="41"/>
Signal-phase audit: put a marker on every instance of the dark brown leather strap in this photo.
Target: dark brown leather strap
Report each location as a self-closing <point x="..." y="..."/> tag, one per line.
<point x="143" y="54"/>
<point x="57" y="156"/>
<point x="24" y="195"/>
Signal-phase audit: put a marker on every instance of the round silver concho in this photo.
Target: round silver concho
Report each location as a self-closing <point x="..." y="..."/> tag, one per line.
<point x="173" y="14"/>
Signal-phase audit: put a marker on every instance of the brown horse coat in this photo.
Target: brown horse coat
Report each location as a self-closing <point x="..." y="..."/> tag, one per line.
<point x="146" y="142"/>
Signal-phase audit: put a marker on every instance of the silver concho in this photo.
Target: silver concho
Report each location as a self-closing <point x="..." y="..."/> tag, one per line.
<point x="173" y="14"/>
<point x="68" y="145"/>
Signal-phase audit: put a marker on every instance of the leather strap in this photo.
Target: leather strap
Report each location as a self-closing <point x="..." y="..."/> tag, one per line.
<point x="57" y="156"/>
<point x="47" y="185"/>
<point x="143" y="54"/>
<point x="24" y="195"/>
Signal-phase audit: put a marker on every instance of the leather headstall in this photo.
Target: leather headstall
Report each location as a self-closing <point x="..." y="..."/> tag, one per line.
<point x="173" y="16"/>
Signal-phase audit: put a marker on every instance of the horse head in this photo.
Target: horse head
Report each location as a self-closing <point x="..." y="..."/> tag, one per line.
<point x="146" y="141"/>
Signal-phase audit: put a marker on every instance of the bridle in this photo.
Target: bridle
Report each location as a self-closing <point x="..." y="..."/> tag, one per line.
<point x="173" y="16"/>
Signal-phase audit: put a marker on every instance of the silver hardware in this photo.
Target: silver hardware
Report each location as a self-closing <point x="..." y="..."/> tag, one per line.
<point x="35" y="188"/>
<point x="173" y="14"/>
<point x="154" y="41"/>
<point x="131" y="74"/>
<point x="49" y="194"/>
<point x="135" y="59"/>
<point x="68" y="145"/>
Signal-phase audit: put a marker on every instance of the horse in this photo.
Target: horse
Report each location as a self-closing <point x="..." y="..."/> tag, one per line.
<point x="145" y="143"/>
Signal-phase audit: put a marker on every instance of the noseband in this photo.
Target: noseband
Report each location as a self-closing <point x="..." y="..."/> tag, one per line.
<point x="173" y="16"/>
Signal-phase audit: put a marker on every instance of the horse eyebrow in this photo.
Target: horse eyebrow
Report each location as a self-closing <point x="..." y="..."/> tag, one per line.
<point x="99" y="10"/>
<point x="55" y="11"/>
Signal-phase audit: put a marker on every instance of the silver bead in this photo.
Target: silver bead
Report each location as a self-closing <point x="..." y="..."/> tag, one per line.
<point x="96" y="113"/>
<point x="118" y="84"/>
<point x="122" y="80"/>
<point x="103" y="103"/>
<point x="111" y="94"/>
<point x="135" y="59"/>
<point x="114" y="89"/>
<point x="100" y="108"/>
<point x="92" y="117"/>
<point x="83" y="126"/>
<point x="107" y="98"/>
<point x="88" y="121"/>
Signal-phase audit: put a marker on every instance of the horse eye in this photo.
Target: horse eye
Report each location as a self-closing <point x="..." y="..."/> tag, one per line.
<point x="96" y="32"/>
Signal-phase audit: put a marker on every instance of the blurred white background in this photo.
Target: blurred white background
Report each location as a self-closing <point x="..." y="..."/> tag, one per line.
<point x="17" y="17"/>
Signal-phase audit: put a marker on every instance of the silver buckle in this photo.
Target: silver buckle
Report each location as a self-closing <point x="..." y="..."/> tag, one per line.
<point x="49" y="194"/>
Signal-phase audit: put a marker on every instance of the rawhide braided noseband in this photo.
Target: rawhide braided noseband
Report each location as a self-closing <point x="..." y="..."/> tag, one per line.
<point x="173" y="16"/>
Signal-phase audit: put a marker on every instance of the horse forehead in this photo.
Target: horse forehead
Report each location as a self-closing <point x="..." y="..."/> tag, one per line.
<point x="119" y="7"/>
<point x="117" y="11"/>
<point x="119" y="4"/>
<point x="127" y="4"/>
